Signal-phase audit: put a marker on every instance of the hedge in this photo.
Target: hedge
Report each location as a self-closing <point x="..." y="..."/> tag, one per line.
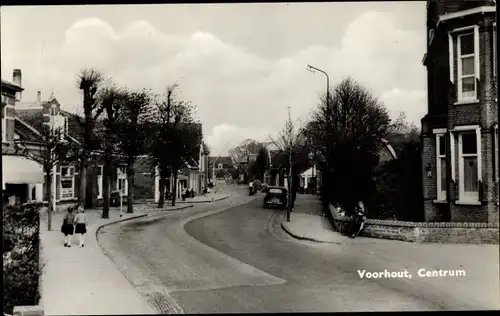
<point x="21" y="267"/>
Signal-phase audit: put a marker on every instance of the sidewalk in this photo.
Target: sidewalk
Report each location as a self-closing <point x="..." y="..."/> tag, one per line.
<point x="306" y="222"/>
<point x="85" y="281"/>
<point x="312" y="228"/>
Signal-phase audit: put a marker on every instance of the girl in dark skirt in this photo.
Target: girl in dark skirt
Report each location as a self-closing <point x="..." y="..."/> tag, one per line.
<point x="67" y="227"/>
<point x="81" y="223"/>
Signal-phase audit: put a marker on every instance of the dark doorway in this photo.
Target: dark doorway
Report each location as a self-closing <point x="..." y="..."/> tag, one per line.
<point x="19" y="190"/>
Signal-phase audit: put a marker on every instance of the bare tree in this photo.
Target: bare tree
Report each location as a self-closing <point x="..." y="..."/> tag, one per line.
<point x="160" y="140"/>
<point x="290" y="139"/>
<point x="51" y="149"/>
<point x="178" y="138"/>
<point x="133" y="135"/>
<point x="90" y="81"/>
<point x="111" y="100"/>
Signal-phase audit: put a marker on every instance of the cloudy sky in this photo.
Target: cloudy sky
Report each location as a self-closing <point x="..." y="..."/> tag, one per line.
<point x="241" y="64"/>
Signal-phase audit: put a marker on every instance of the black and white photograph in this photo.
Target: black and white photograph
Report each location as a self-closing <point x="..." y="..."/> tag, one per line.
<point x="279" y="157"/>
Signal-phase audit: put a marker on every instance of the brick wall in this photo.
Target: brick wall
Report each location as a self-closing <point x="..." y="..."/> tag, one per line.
<point x="425" y="232"/>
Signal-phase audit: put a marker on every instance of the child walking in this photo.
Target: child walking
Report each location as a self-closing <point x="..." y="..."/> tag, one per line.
<point x="81" y="223"/>
<point x="67" y="227"/>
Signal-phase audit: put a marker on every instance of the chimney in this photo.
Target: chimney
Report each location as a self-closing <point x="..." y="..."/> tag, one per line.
<point x="17" y="80"/>
<point x="39" y="97"/>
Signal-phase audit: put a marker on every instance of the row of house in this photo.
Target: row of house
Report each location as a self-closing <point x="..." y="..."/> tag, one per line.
<point x="23" y="178"/>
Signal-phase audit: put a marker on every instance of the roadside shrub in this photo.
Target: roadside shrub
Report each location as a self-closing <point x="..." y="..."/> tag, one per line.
<point x="21" y="268"/>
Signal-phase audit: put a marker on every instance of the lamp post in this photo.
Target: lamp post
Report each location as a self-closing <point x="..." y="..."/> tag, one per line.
<point x="329" y="110"/>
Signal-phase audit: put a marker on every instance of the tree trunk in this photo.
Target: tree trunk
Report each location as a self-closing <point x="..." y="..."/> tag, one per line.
<point x="161" y="200"/>
<point x="130" y="191"/>
<point x="83" y="183"/>
<point x="48" y="189"/>
<point x="105" y="188"/>
<point x="174" y="194"/>
<point x="89" y="188"/>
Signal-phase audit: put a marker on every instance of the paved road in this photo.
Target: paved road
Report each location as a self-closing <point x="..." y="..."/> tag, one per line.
<point x="239" y="260"/>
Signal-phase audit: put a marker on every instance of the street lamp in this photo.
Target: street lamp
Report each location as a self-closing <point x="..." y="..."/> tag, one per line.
<point x="313" y="69"/>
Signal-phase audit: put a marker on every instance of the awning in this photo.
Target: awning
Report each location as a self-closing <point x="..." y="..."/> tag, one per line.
<point x="20" y="170"/>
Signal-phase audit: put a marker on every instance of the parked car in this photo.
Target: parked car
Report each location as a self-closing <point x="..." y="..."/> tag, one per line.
<point x="276" y="196"/>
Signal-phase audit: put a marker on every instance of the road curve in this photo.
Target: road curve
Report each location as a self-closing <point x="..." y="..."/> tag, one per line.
<point x="203" y="260"/>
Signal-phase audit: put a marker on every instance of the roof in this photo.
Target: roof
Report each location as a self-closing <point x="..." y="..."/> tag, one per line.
<point x="25" y="131"/>
<point x="10" y="85"/>
<point x="224" y="160"/>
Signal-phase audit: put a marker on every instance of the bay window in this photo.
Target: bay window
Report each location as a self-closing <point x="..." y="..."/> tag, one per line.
<point x="441" y="165"/>
<point x="99" y="181"/>
<point x="67" y="183"/>
<point x="469" y="164"/>
<point x="122" y="182"/>
<point x="467" y="57"/>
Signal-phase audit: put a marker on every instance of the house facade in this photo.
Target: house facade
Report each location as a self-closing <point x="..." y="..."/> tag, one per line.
<point x="220" y="168"/>
<point x="460" y="130"/>
<point x="31" y="118"/>
<point x="22" y="179"/>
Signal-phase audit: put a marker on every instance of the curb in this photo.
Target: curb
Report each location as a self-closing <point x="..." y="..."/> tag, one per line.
<point x="199" y="202"/>
<point x="118" y="221"/>
<point x="140" y="216"/>
<point x="291" y="233"/>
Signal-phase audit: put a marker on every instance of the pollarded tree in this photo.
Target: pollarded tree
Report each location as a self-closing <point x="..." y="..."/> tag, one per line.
<point x="133" y="134"/>
<point x="90" y="82"/>
<point x="111" y="100"/>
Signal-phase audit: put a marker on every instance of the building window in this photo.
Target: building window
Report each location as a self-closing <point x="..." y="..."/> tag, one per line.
<point x="467" y="66"/>
<point x="122" y="182"/>
<point x="99" y="181"/>
<point x="469" y="155"/>
<point x="441" y="166"/>
<point x="219" y="166"/>
<point x="67" y="184"/>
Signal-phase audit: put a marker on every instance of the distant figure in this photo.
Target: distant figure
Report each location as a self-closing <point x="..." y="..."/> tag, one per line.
<point x="183" y="194"/>
<point x="81" y="223"/>
<point x="67" y="227"/>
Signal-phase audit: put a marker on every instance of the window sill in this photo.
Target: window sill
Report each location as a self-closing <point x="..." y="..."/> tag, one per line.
<point x="465" y="202"/>
<point x="439" y="201"/>
<point x="465" y="102"/>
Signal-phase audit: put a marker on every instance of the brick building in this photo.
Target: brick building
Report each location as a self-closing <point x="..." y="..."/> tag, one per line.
<point x="460" y="131"/>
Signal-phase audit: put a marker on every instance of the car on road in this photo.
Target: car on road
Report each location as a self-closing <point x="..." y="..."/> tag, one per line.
<point x="276" y="196"/>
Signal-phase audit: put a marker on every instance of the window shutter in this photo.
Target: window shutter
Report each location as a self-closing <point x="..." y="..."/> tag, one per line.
<point x="451" y="57"/>
<point x="58" y="187"/>
<point x="476" y="55"/>
<point x="44" y="189"/>
<point x="77" y="185"/>
<point x="482" y="190"/>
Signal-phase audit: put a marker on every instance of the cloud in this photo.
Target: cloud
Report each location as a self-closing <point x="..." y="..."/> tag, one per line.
<point x="238" y="94"/>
